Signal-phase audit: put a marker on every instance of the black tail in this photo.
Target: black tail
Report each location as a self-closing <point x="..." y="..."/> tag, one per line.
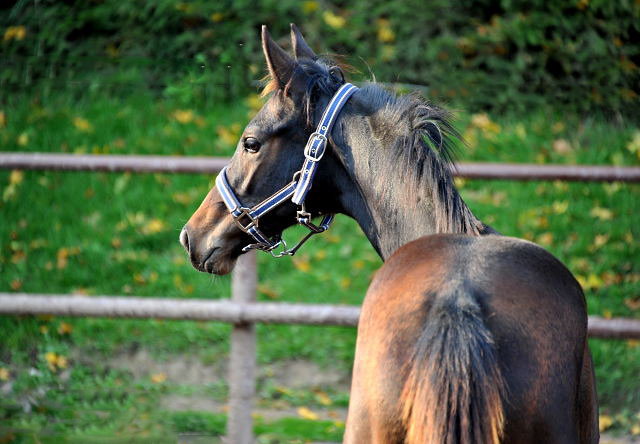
<point x="454" y="391"/>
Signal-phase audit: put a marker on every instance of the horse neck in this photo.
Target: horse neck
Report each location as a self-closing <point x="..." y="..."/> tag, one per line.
<point x="391" y="207"/>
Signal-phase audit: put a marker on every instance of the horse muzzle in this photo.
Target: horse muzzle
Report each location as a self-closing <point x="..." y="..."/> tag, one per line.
<point x="211" y="237"/>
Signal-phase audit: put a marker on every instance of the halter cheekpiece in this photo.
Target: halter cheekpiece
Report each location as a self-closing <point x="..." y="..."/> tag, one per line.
<point x="247" y="218"/>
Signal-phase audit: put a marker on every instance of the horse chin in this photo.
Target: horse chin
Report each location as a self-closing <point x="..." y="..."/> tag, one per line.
<point x="220" y="261"/>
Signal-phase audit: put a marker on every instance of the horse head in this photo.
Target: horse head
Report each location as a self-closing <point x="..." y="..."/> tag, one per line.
<point x="268" y="155"/>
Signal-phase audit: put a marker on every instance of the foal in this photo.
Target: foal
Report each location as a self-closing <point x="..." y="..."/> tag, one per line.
<point x="465" y="336"/>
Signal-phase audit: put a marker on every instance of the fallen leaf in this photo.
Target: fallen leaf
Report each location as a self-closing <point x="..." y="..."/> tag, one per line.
<point x="323" y="398"/>
<point x="23" y="139"/>
<point x="16" y="177"/>
<point x="601" y="213"/>
<point x="158" y="378"/>
<point x="183" y="116"/>
<point x="64" y="328"/>
<point x="268" y="291"/>
<point x="633" y="303"/>
<point x="545" y="239"/>
<point x="604" y="422"/>
<point x="560" y="207"/>
<point x="154" y="226"/>
<point x="562" y="147"/>
<point x="4" y="374"/>
<point x="302" y="263"/>
<point x="82" y="125"/>
<point x="305" y="413"/>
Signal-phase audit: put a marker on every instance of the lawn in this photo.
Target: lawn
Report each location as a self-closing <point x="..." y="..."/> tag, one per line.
<point x="116" y="234"/>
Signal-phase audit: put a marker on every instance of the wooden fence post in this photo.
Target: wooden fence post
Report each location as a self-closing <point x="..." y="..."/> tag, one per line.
<point x="242" y="367"/>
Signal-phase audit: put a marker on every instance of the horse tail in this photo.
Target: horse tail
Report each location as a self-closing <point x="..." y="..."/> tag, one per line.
<point x="454" y="391"/>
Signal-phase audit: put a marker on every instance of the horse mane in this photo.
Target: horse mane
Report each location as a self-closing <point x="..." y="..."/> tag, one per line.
<point x="421" y="136"/>
<point x="423" y="148"/>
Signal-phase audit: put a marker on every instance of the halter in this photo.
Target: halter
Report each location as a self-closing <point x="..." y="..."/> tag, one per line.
<point x="247" y="218"/>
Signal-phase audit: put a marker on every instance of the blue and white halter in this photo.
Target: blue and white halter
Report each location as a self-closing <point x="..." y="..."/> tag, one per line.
<point x="247" y="218"/>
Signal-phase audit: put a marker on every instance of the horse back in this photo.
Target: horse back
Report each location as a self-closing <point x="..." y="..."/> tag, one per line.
<point x="454" y="309"/>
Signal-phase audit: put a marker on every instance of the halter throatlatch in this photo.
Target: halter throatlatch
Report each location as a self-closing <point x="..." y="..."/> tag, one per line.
<point x="247" y="218"/>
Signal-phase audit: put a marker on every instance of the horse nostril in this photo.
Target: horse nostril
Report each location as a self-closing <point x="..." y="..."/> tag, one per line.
<point x="184" y="239"/>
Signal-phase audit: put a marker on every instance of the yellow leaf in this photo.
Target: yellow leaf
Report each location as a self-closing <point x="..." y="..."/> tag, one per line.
<point x="15" y="33"/>
<point x="483" y="122"/>
<point x="3" y="119"/>
<point x="634" y="144"/>
<point x="255" y="102"/>
<point x="607" y="314"/>
<point x="154" y="226"/>
<point x="158" y="378"/>
<point x="307" y="414"/>
<point x="601" y="213"/>
<point x="216" y="17"/>
<point x="268" y="291"/>
<point x="4" y="374"/>
<point x="604" y="422"/>
<point x="16" y="177"/>
<point x="562" y="147"/>
<point x="82" y="124"/>
<point x="139" y="279"/>
<point x="600" y="240"/>
<point x="323" y="398"/>
<point x="16" y="284"/>
<point x="560" y="207"/>
<point x="62" y="362"/>
<point x="635" y="429"/>
<point x="333" y="20"/>
<point x="62" y="258"/>
<point x="23" y="139"/>
<point x="65" y="329"/>
<point x="51" y="358"/>
<point x="183" y="116"/>
<point x="309" y="6"/>
<point x="182" y="198"/>
<point x="345" y="282"/>
<point x="385" y="33"/>
<point x="302" y="263"/>
<point x="358" y="264"/>
<point x="44" y="329"/>
<point x="545" y="239"/>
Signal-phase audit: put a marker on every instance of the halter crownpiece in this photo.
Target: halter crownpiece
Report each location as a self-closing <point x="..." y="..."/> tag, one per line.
<point x="247" y="218"/>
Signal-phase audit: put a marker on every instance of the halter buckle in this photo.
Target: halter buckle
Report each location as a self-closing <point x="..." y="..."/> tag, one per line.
<point x="307" y="149"/>
<point x="245" y="212"/>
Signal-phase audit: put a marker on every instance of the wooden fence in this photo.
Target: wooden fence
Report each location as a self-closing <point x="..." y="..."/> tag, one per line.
<point x="242" y="310"/>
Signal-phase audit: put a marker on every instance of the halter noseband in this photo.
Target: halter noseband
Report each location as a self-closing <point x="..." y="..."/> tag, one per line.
<point x="247" y="218"/>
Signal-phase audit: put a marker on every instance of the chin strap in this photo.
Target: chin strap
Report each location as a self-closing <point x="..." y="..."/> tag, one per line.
<point x="247" y="218"/>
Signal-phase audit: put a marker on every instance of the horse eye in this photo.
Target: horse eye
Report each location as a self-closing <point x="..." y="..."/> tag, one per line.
<point x="251" y="144"/>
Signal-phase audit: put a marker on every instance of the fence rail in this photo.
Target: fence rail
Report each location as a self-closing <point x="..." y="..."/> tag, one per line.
<point x="212" y="165"/>
<point x="231" y="311"/>
<point x="242" y="310"/>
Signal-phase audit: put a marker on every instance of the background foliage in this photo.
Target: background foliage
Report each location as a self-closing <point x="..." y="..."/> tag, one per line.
<point x="539" y="82"/>
<point x="489" y="54"/>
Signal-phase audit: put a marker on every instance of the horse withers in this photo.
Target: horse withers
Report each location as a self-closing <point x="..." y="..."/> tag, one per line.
<point x="465" y="336"/>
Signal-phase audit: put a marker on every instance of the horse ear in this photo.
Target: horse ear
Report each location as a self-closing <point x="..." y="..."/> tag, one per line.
<point x="281" y="65"/>
<point x="300" y="47"/>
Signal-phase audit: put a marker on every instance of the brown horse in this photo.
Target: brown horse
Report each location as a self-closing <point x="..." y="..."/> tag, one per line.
<point x="465" y="336"/>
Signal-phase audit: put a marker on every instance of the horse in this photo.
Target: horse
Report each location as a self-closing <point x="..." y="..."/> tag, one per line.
<point x="465" y="335"/>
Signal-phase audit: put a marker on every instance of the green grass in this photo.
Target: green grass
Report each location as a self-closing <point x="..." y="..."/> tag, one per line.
<point x="116" y="234"/>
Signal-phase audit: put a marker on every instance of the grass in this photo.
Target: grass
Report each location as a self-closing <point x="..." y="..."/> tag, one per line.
<point x="116" y="234"/>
